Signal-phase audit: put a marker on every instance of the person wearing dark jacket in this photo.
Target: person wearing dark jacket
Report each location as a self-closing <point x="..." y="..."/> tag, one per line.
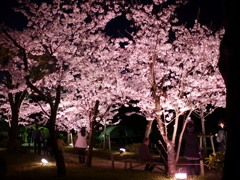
<point x="145" y="155"/>
<point x="36" y="140"/>
<point x="191" y="152"/>
<point x="221" y="136"/>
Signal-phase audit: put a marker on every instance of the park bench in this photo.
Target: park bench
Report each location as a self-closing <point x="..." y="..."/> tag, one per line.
<point x="134" y="163"/>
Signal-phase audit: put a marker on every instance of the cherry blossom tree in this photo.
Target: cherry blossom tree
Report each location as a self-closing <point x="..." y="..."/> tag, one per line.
<point x="71" y="37"/>
<point x="13" y="91"/>
<point x="170" y="77"/>
<point x="93" y="101"/>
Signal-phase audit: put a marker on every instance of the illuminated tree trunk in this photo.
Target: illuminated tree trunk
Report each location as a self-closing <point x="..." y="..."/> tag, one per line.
<point x="170" y="145"/>
<point x="148" y="129"/>
<point x="171" y="152"/>
<point x="204" y="135"/>
<point x="229" y="65"/>
<point x="13" y="132"/>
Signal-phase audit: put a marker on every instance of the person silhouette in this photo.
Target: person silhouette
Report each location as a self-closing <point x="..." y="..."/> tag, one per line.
<point x="36" y="140"/>
<point x="191" y="151"/>
<point x="221" y="136"/>
<point x="145" y="155"/>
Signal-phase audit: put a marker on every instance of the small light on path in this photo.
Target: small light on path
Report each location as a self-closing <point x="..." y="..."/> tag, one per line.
<point x="44" y="161"/>
<point x="181" y="176"/>
<point x="122" y="150"/>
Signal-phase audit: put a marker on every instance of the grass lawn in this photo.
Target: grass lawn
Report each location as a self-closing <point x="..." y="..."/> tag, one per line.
<point x="23" y="165"/>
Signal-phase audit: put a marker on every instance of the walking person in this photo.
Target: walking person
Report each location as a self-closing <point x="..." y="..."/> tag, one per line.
<point x="191" y="152"/>
<point x="145" y="155"/>
<point x="36" y="140"/>
<point x="81" y="144"/>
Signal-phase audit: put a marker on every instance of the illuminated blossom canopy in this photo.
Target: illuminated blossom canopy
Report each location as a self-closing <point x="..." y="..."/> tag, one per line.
<point x="169" y="70"/>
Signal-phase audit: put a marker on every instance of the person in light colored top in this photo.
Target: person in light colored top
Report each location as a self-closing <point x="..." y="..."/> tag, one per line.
<point x="81" y="144"/>
<point x="60" y="143"/>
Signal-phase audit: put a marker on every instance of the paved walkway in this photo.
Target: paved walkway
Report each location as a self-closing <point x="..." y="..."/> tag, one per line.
<point x="108" y="163"/>
<point x="117" y="164"/>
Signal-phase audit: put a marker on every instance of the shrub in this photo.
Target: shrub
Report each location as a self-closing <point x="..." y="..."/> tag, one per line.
<point x="133" y="148"/>
<point x="216" y="161"/>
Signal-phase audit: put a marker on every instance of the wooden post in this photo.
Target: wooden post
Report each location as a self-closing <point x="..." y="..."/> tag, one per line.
<point x="109" y="141"/>
<point x="200" y="137"/>
<point x="112" y="158"/>
<point x="130" y="164"/>
<point x="211" y="138"/>
<point x="125" y="165"/>
<point x="202" y="167"/>
<point x="104" y="134"/>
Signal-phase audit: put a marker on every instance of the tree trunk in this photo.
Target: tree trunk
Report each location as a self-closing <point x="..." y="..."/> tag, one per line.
<point x="91" y="140"/>
<point x="59" y="158"/>
<point x="229" y="65"/>
<point x="148" y="129"/>
<point x="13" y="132"/>
<point x="91" y="135"/>
<point x="15" y="103"/>
<point x="204" y="136"/>
<point x="180" y="140"/>
<point x="68" y="137"/>
<point x="171" y="158"/>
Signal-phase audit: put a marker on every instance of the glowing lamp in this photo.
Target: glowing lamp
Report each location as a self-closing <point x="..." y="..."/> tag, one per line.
<point x="122" y="150"/>
<point x="71" y="144"/>
<point x="44" y="161"/>
<point x="181" y="176"/>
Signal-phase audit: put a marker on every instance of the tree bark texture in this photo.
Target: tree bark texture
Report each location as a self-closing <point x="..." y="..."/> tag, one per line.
<point x="148" y="129"/>
<point x="171" y="152"/>
<point x="229" y="65"/>
<point x="15" y="102"/>
<point x="13" y="133"/>
<point x="59" y="158"/>
<point x="91" y="140"/>
<point x="91" y="135"/>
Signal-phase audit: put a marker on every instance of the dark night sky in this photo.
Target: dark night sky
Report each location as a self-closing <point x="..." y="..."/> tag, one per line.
<point x="210" y="13"/>
<point x="9" y="17"/>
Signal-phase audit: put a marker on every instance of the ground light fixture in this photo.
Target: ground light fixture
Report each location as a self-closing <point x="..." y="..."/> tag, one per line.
<point x="180" y="175"/>
<point x="122" y="150"/>
<point x="44" y="161"/>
